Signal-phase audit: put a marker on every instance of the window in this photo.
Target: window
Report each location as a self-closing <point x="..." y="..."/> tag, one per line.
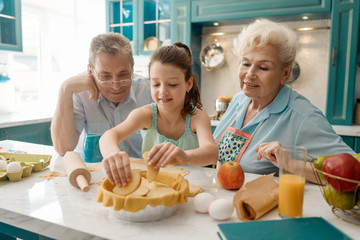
<point x="56" y="39"/>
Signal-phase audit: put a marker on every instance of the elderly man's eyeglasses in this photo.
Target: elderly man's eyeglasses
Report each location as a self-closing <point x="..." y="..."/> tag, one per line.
<point x="107" y="79"/>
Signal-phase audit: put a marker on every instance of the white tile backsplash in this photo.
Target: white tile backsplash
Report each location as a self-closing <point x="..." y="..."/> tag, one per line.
<point x="313" y="59"/>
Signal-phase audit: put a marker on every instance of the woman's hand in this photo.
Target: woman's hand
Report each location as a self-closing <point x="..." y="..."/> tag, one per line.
<point x="269" y="151"/>
<point x="117" y="167"/>
<point x="164" y="153"/>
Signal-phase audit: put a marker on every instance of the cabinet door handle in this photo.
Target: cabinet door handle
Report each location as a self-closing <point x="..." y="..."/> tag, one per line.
<point x="6" y="134"/>
<point x="333" y="56"/>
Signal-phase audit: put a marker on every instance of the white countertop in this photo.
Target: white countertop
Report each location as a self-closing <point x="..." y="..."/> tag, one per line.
<point x="342" y="130"/>
<point x="33" y="115"/>
<point x="56" y="209"/>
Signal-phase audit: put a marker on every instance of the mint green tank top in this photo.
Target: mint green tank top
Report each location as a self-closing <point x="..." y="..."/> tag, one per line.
<point x="151" y="136"/>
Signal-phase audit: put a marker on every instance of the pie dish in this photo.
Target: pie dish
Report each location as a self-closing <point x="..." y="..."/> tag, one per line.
<point x="144" y="208"/>
<point x="148" y="214"/>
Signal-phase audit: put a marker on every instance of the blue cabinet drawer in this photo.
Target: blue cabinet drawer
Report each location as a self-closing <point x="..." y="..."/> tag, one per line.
<point x="33" y="133"/>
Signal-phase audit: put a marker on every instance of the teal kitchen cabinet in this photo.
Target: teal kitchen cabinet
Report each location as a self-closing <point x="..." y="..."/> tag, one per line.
<point x="33" y="133"/>
<point x="188" y="16"/>
<point x="146" y="23"/>
<point x="344" y="38"/>
<point x="357" y="145"/>
<point x="353" y="142"/>
<point x="214" y="10"/>
<point x="10" y="25"/>
<point x="181" y="21"/>
<point x="349" y="140"/>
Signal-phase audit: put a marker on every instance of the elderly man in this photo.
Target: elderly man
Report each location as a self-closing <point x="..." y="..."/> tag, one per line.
<point x="103" y="97"/>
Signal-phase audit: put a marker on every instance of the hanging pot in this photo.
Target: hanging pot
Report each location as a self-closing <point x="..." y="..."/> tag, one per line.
<point x="212" y="56"/>
<point x="294" y="73"/>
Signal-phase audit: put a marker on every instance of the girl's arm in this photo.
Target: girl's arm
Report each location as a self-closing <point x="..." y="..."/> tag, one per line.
<point x="207" y="152"/>
<point x="116" y="162"/>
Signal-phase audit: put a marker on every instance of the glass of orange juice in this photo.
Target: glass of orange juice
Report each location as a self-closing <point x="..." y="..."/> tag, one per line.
<point x="291" y="181"/>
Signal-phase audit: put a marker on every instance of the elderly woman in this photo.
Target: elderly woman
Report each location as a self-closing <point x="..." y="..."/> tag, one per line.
<point x="267" y="114"/>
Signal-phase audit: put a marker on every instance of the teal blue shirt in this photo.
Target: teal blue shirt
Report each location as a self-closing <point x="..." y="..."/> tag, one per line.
<point x="152" y="137"/>
<point x="290" y="119"/>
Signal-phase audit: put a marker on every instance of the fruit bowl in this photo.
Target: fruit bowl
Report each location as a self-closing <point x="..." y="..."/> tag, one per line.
<point x="344" y="205"/>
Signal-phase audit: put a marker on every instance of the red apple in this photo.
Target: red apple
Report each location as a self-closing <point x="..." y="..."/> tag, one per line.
<point x="230" y="175"/>
<point x="342" y="165"/>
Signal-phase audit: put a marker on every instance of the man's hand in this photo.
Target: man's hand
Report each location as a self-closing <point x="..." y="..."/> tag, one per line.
<point x="83" y="82"/>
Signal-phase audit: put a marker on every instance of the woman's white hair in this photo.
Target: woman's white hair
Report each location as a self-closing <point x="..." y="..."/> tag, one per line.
<point x="265" y="32"/>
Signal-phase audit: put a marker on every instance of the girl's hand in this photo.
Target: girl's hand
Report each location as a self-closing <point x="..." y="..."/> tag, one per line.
<point x="117" y="167"/>
<point x="164" y="153"/>
<point x="269" y="151"/>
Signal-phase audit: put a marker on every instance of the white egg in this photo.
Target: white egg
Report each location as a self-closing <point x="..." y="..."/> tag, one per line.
<point x="13" y="167"/>
<point x="221" y="209"/>
<point x="202" y="202"/>
<point x="3" y="164"/>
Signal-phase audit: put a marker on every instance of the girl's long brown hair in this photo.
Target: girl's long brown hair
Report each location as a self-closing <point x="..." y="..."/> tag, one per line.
<point x="179" y="55"/>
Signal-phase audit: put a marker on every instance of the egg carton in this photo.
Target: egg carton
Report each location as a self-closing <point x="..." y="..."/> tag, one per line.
<point x="29" y="163"/>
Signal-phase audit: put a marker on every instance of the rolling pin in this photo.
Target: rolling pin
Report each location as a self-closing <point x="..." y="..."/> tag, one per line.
<point x="79" y="176"/>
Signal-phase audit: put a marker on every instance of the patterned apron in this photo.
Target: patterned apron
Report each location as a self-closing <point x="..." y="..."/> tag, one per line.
<point x="233" y="143"/>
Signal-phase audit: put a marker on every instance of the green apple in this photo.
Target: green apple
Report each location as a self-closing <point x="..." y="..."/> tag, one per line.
<point x="357" y="156"/>
<point x="319" y="163"/>
<point x="343" y="201"/>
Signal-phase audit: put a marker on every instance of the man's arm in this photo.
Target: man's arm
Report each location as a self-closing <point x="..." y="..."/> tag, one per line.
<point x="64" y="134"/>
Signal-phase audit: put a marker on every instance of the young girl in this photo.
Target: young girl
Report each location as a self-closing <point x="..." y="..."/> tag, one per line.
<point x="174" y="128"/>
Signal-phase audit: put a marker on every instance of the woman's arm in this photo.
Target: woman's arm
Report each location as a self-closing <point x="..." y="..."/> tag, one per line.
<point x="271" y="152"/>
<point x="116" y="162"/>
<point x="207" y="153"/>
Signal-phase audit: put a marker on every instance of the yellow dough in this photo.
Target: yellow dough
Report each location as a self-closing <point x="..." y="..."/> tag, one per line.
<point x="141" y="191"/>
<point x="151" y="185"/>
<point x="157" y="195"/>
<point x="194" y="190"/>
<point x="151" y="173"/>
<point x="131" y="186"/>
<point x="160" y="192"/>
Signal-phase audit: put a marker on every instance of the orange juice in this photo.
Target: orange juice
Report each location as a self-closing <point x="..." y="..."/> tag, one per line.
<point x="291" y="195"/>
